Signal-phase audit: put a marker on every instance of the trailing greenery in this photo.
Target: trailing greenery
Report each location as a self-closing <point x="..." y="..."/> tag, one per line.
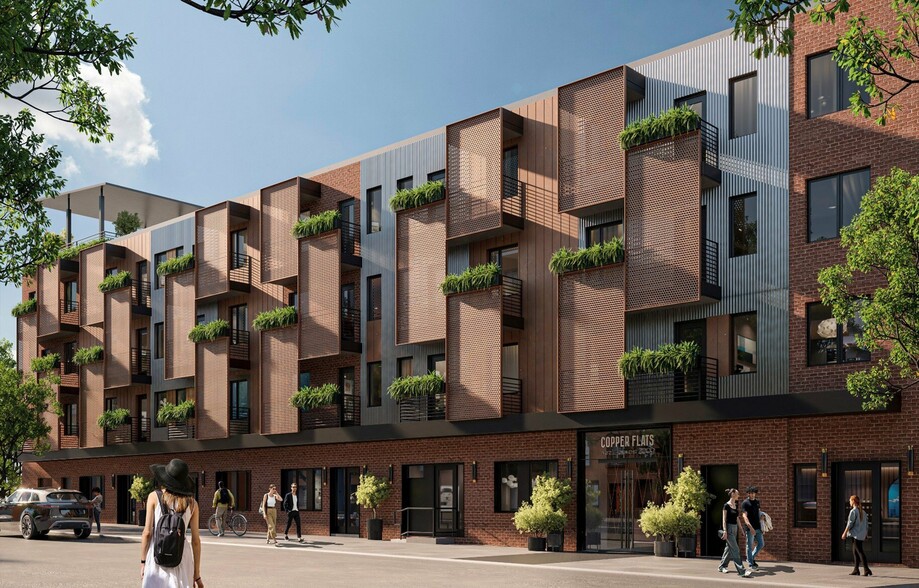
<point x="126" y="223"/>
<point x="209" y="331"/>
<point x="565" y="260"/>
<point x="45" y="363"/>
<point x="669" y="123"/>
<point x="670" y="357"/>
<point x="111" y="419"/>
<point x="175" y="413"/>
<point x="74" y="250"/>
<point x="474" y="278"/>
<point x="140" y="489"/>
<point x="115" y="281"/>
<point x="176" y="264"/>
<point x="413" y="386"/>
<point x="86" y="355"/>
<point x="372" y="491"/>
<point x="316" y="224"/>
<point x="423" y="194"/>
<point x="24" y="307"/>
<point x="275" y="318"/>
<point x="309" y="397"/>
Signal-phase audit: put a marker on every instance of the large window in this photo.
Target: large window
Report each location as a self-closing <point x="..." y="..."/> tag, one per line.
<point x="514" y="481"/>
<point x="70" y="296"/>
<point x="374" y="298"/>
<point x="238" y="251"/>
<point x="743" y="106"/>
<point x="159" y="341"/>
<point x="828" y="86"/>
<point x="744" y="334"/>
<point x="511" y="171"/>
<point x="438" y="363"/>
<point x="508" y="259"/>
<point x="603" y="233"/>
<point x="239" y="400"/>
<point x="743" y="225"/>
<point x="374" y="383"/>
<point x="309" y="487"/>
<point x="70" y="420"/>
<point x="374" y="209"/>
<point x="239" y="483"/>
<point x="346" y="381"/>
<point x="830" y="341"/>
<point x="833" y="201"/>
<point x="805" y="496"/>
<point x="160" y="258"/>
<point x="303" y="379"/>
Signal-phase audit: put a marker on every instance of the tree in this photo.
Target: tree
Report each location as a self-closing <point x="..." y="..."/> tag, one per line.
<point x="126" y="223"/>
<point x="24" y="399"/>
<point x="879" y="60"/>
<point x="46" y="47"/>
<point x="882" y="247"/>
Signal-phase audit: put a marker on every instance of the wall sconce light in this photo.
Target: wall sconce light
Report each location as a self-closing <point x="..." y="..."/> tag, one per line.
<point x="679" y="463"/>
<point x="910" y="461"/>
<point x="475" y="472"/>
<point x="325" y="476"/>
<point x="365" y="470"/>
<point x="113" y="481"/>
<point x="203" y="478"/>
<point x="570" y="467"/>
<point x="824" y="463"/>
<point x="390" y="472"/>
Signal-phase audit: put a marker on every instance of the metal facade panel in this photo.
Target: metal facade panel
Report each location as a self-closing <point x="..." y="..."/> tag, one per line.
<point x="26" y="340"/>
<point x="279" y="380"/>
<point x="421" y="313"/>
<point x="474" y="355"/>
<point x="591" y="114"/>
<point x="92" y="389"/>
<point x="49" y="299"/>
<point x="212" y="388"/>
<point x="212" y="251"/>
<point x="280" y="208"/>
<point x="92" y="272"/>
<point x="591" y="339"/>
<point x="319" y="296"/>
<point x="118" y="338"/>
<point x="179" y="353"/>
<point x="662" y="223"/>
<point x="474" y="175"/>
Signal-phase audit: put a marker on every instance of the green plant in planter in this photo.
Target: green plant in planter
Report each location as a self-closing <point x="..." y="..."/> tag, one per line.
<point x="175" y="413"/>
<point x="74" y="250"/>
<point x="309" y="397"/>
<point x="478" y="277"/>
<point x="372" y="491"/>
<point x="670" y="357"/>
<point x="176" y="264"/>
<point x="24" y="307"/>
<point x="87" y="355"/>
<point x="689" y="491"/>
<point x="414" y="386"/>
<point x="539" y="519"/>
<point x="140" y="489"/>
<point x="126" y="223"/>
<point x="112" y="419"/>
<point x="551" y="491"/>
<point x="275" y="318"/>
<point x="209" y="331"/>
<point x="565" y="260"/>
<point x="667" y="521"/>
<point x="45" y="363"/>
<point x="669" y="123"/>
<point x="115" y="281"/>
<point x="316" y="224"/>
<point x="423" y="194"/>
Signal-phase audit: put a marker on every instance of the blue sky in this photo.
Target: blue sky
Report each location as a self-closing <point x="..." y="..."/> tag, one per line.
<point x="213" y="110"/>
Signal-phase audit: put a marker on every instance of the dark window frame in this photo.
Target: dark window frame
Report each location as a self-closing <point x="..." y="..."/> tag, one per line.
<point x="374" y="203"/>
<point x="523" y="483"/>
<point x="842" y="76"/>
<point x="308" y="500"/>
<point x="374" y="313"/>
<point x="734" y="317"/>
<point x="440" y="174"/>
<point x="237" y="258"/>
<point x="839" y="200"/>
<point x="399" y="371"/>
<point x="798" y="522"/>
<point x="235" y="407"/>
<point x="401" y="183"/>
<point x="840" y="346"/>
<point x="745" y="197"/>
<point x="731" y="108"/>
<point x="159" y="340"/>
<point x="110" y="403"/>
<point x="377" y="400"/>
<point x="692" y="99"/>
<point x="341" y="379"/>
<point x="162" y="256"/>
<point x="600" y="227"/>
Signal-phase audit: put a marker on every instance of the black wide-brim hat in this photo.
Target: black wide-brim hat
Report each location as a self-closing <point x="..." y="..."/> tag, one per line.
<point x="174" y="477"/>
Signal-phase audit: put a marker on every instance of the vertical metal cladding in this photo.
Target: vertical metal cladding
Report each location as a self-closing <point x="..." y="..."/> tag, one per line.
<point x="212" y="388"/>
<point x="591" y="113"/>
<point x="421" y="313"/>
<point x="179" y="320"/>
<point x="591" y="339"/>
<point x="92" y="389"/>
<point x="118" y="338"/>
<point x="92" y="272"/>
<point x="280" y="207"/>
<point x="49" y="299"/>
<point x="474" y="175"/>
<point x="212" y="250"/>
<point x="585" y="222"/>
<point x="474" y="355"/>
<point x="278" y="380"/>
<point x="319" y="297"/>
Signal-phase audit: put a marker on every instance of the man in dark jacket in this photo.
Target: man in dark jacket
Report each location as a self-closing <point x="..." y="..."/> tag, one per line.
<point x="292" y="508"/>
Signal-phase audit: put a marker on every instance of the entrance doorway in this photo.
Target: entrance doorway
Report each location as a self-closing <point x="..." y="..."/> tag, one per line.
<point x="878" y="485"/>
<point x="124" y="512"/>
<point x="346" y="514"/>
<point x="718" y="478"/>
<point x="432" y="496"/>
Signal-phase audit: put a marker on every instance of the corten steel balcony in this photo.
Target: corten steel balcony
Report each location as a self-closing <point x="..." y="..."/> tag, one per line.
<point x="140" y="297"/>
<point x="140" y="366"/>
<point x="220" y="271"/>
<point x="239" y="422"/>
<point x="511" y="395"/>
<point x="68" y="435"/>
<point x="344" y="412"/>
<point x="57" y="316"/>
<point x="281" y="204"/>
<point x="423" y="408"/>
<point x="420" y="268"/>
<point x="239" y="349"/>
<point x="351" y="329"/>
<point x="698" y="384"/>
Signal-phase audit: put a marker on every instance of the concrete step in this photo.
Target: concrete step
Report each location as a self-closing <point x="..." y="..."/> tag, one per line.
<point x="429" y="540"/>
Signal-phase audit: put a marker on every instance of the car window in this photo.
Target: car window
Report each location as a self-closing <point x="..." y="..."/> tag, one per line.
<point x="65" y="497"/>
<point x="14" y="497"/>
<point x="27" y="497"/>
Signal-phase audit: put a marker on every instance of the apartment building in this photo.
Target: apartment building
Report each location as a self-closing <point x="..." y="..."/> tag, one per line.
<point x="724" y="227"/>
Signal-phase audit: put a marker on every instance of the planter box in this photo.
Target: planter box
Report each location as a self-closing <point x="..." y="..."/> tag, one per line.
<point x="663" y="548"/>
<point x="555" y="542"/>
<point x="536" y="543"/>
<point x="687" y="546"/>
<point x="375" y="529"/>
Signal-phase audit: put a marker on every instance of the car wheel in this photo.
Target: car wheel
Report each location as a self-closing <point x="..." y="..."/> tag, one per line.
<point x="81" y="533"/>
<point x="27" y="527"/>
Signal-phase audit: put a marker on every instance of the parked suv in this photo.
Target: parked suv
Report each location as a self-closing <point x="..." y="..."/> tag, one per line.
<point x="40" y="510"/>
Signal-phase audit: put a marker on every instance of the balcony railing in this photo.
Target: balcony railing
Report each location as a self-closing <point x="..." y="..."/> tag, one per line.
<point x="350" y="238"/>
<point x="709" y="134"/>
<point x="68" y="435"/>
<point x="184" y="430"/>
<point x="140" y="294"/>
<point x="239" y="345"/>
<point x="240" y="268"/>
<point x="140" y="362"/>
<point x="123" y="434"/>
<point x="70" y="312"/>
<point x="513" y="196"/>
<point x="239" y="423"/>
<point x="512" y="290"/>
<point x="710" y="276"/>
<point x="345" y="412"/>
<point x="350" y="324"/>
<point x="143" y="429"/>
<point x="423" y="408"/>
<point x="698" y="384"/>
<point x="511" y="395"/>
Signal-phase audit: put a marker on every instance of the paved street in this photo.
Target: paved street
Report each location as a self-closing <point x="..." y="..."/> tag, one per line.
<point x="112" y="560"/>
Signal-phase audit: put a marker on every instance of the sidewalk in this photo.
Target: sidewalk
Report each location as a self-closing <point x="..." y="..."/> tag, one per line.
<point x="621" y="565"/>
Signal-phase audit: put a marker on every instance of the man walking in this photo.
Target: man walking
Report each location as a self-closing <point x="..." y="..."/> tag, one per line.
<point x="292" y="508"/>
<point x="752" y="526"/>
<point x="97" y="508"/>
<point x="223" y="500"/>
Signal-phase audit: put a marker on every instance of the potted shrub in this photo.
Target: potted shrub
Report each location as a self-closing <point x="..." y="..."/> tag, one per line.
<point x="176" y="264"/>
<point x="557" y="494"/>
<point x="172" y="414"/>
<point x="665" y="523"/>
<point x="316" y="224"/>
<point x="115" y="281"/>
<point x="593" y="516"/>
<point x="309" y="397"/>
<point x="539" y="520"/>
<point x="690" y="493"/>
<point x="24" y="307"/>
<point x="87" y="355"/>
<point x="566" y="260"/>
<point x="275" y="318"/>
<point x="209" y="331"/>
<point x="140" y="488"/>
<point x="371" y="492"/>
<point x="478" y="277"/>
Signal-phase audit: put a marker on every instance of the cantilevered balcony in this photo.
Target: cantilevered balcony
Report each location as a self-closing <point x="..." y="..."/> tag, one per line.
<point x="140" y="366"/>
<point x="136" y="430"/>
<point x="344" y="412"/>
<point x="430" y="407"/>
<point x="222" y="270"/>
<point x="58" y="309"/>
<point x="281" y="205"/>
<point x="700" y="383"/>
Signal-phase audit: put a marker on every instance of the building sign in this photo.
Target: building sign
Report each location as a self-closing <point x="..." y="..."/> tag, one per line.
<point x="627" y="445"/>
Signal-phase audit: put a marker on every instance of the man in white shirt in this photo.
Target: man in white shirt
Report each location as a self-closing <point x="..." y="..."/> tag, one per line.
<point x="292" y="508"/>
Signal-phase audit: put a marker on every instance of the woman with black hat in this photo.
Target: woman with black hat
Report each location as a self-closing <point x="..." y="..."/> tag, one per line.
<point x="178" y="489"/>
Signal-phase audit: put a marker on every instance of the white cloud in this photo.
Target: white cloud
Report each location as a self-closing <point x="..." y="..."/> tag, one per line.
<point x="68" y="167"/>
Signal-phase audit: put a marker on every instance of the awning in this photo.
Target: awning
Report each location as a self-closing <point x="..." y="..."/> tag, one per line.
<point x="151" y="208"/>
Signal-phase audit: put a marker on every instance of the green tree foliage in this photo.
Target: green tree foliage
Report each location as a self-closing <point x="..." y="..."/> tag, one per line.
<point x="689" y="491"/>
<point x="372" y="491"/>
<point x="882" y="246"/>
<point x="126" y="223"/>
<point x="876" y="58"/>
<point x="141" y="487"/>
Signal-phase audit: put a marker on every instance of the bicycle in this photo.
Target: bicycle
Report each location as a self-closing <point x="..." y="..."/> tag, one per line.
<point x="235" y="522"/>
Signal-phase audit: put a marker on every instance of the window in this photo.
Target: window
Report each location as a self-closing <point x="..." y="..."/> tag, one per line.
<point x="743" y="327"/>
<point x="239" y="483"/>
<point x="303" y="379"/>
<point x="696" y="102"/>
<point x="830" y="341"/>
<point x="110" y="271"/>
<point x="70" y="296"/>
<point x="70" y="420"/>
<point x="374" y="383"/>
<point x="833" y="201"/>
<point x="511" y="171"/>
<point x="374" y="209"/>
<point x="743" y="105"/>
<point x="404" y="367"/>
<point x="159" y="341"/>
<point x="111" y="403"/>
<point x="309" y="487"/>
<point x="743" y="225"/>
<point x="239" y="322"/>
<point x="374" y="298"/>
<point x="438" y="176"/>
<point x="238" y="251"/>
<point x="805" y="496"/>
<point x="602" y="233"/>
<point x="828" y="86"/>
<point x="438" y="363"/>
<point x="405" y="183"/>
<point x="160" y="258"/>
<point x="70" y="348"/>
<point x="292" y="298"/>
<point x="173" y="397"/>
<point x="346" y="381"/>
<point x="346" y="208"/>
<point x="200" y="319"/>
<point x="142" y="271"/>
<point x="514" y="481"/>
<point x="44" y="482"/>
<point x="239" y="400"/>
<point x="508" y="258"/>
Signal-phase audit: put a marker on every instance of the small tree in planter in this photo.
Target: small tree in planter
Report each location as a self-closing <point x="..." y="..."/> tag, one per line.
<point x="689" y="493"/>
<point x="665" y="523"/>
<point x="557" y="494"/>
<point x="539" y="519"/>
<point x="140" y="489"/>
<point x="371" y="492"/>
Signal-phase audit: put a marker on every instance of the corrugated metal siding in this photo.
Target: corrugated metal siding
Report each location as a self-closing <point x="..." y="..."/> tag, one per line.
<point x="755" y="163"/>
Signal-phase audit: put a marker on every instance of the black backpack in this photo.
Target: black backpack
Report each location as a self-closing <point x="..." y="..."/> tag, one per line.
<point x="169" y="536"/>
<point x="224" y="496"/>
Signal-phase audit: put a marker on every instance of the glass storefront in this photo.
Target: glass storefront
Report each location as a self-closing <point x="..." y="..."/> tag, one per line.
<point x="621" y="471"/>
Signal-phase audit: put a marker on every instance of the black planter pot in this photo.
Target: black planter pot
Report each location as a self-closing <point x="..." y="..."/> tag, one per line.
<point x="687" y="546"/>
<point x="536" y="543"/>
<point x="375" y="529"/>
<point x="555" y="541"/>
<point x="663" y="548"/>
<point x="141" y="517"/>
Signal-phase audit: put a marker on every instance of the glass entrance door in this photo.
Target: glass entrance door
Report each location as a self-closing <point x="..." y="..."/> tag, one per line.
<point x="878" y="486"/>
<point x="346" y="514"/>
<point x="432" y="499"/>
<point x="718" y="478"/>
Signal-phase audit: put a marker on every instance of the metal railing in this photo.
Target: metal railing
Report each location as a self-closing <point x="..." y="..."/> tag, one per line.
<point x="239" y="423"/>
<point x="140" y="293"/>
<point x="350" y="324"/>
<point x="511" y="395"/>
<point x="699" y="384"/>
<point x="513" y="196"/>
<point x="512" y="291"/>
<point x="140" y="361"/>
<point x="710" y="262"/>
<point x="122" y="434"/>
<point x="423" y="408"/>
<point x="143" y="429"/>
<point x="709" y="135"/>
<point x="239" y="344"/>
<point x="68" y="435"/>
<point x="350" y="410"/>
<point x="344" y="412"/>
<point x="350" y="237"/>
<point x="69" y="367"/>
<point x="405" y="516"/>
<point x="240" y="268"/>
<point x="105" y="235"/>
<point x="70" y="312"/>
<point x="184" y="430"/>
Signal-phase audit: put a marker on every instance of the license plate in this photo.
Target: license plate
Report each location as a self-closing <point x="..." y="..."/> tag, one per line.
<point x="73" y="512"/>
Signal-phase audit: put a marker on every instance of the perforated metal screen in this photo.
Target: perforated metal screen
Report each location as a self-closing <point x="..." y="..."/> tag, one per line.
<point x="280" y="209"/>
<point x="92" y="272"/>
<point x="118" y="338"/>
<point x="474" y="169"/>
<point x="49" y="297"/>
<point x="212" y="388"/>
<point x="180" y="319"/>
<point x="421" y="312"/>
<point x="279" y="380"/>
<point x="474" y="355"/>
<point x="211" y="251"/>
<point x="319" y="297"/>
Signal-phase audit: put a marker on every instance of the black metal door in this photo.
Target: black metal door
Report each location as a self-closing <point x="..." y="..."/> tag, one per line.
<point x="346" y="514"/>
<point x="877" y="484"/>
<point x="125" y="510"/>
<point x="718" y="478"/>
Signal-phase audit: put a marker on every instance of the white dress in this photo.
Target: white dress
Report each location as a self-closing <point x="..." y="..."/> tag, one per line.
<point x="181" y="576"/>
